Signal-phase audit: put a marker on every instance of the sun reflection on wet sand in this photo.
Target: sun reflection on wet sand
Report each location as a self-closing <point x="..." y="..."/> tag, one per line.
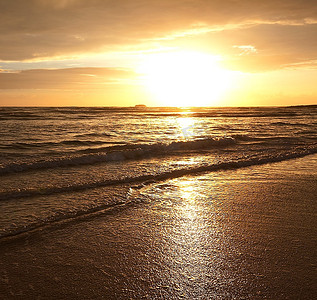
<point x="188" y="195"/>
<point x="188" y="259"/>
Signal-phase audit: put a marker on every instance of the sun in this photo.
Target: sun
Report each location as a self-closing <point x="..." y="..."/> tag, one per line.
<point x="185" y="78"/>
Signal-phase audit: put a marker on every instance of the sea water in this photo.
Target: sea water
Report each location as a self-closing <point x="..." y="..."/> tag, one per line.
<point x="58" y="164"/>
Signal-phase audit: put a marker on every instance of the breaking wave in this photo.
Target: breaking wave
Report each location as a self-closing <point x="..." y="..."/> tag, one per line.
<point x="119" y="153"/>
<point x="231" y="164"/>
<point x="132" y="185"/>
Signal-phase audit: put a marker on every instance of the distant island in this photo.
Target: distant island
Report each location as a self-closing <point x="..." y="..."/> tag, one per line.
<point x="140" y="105"/>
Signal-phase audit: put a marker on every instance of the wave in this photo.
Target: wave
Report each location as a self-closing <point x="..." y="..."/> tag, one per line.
<point x="94" y="134"/>
<point x="231" y="164"/>
<point x="220" y="114"/>
<point x="66" y="113"/>
<point x="289" y="124"/>
<point x="62" y="217"/>
<point x="25" y="145"/>
<point x="57" y="113"/>
<point x="119" y="153"/>
<point x="133" y="186"/>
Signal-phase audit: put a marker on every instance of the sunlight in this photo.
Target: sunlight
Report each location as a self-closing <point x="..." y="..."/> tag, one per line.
<point x="186" y="126"/>
<point x="185" y="78"/>
<point x="188" y="208"/>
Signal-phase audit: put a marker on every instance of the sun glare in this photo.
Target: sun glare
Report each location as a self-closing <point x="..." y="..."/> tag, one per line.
<point x="185" y="78"/>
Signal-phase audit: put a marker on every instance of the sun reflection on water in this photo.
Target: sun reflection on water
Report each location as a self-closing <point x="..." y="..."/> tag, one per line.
<point x="186" y="126"/>
<point x="191" y="127"/>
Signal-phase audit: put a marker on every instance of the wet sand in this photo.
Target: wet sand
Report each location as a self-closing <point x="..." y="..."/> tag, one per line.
<point x="246" y="234"/>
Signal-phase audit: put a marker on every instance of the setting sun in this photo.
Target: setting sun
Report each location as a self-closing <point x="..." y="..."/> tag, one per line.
<point x="185" y="78"/>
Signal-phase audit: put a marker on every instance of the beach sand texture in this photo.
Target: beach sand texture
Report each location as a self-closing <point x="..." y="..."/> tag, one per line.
<point x="235" y="234"/>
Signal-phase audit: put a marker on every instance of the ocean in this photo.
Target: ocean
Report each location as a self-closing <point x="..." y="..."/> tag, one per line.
<point x="158" y="203"/>
<point x="60" y="163"/>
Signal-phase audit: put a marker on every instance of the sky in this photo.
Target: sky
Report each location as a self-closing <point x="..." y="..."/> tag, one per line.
<point x="158" y="52"/>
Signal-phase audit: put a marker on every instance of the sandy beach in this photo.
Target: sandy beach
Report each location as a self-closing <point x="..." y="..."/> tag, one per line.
<point x="235" y="234"/>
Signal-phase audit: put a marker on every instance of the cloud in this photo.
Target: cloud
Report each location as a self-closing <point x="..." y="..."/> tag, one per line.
<point x="65" y="79"/>
<point x="36" y="29"/>
<point x="277" y="45"/>
<point x="258" y="47"/>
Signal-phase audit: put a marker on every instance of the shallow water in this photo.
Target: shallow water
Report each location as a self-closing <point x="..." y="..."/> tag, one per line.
<point x="57" y="163"/>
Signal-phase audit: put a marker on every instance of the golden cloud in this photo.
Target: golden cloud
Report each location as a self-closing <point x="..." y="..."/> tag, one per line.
<point x="39" y="28"/>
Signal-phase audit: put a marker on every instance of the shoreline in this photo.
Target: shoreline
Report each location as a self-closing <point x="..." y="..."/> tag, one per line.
<point x="249" y="232"/>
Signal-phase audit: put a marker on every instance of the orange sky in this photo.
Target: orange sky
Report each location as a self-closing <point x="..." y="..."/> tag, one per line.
<point x="211" y="52"/>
